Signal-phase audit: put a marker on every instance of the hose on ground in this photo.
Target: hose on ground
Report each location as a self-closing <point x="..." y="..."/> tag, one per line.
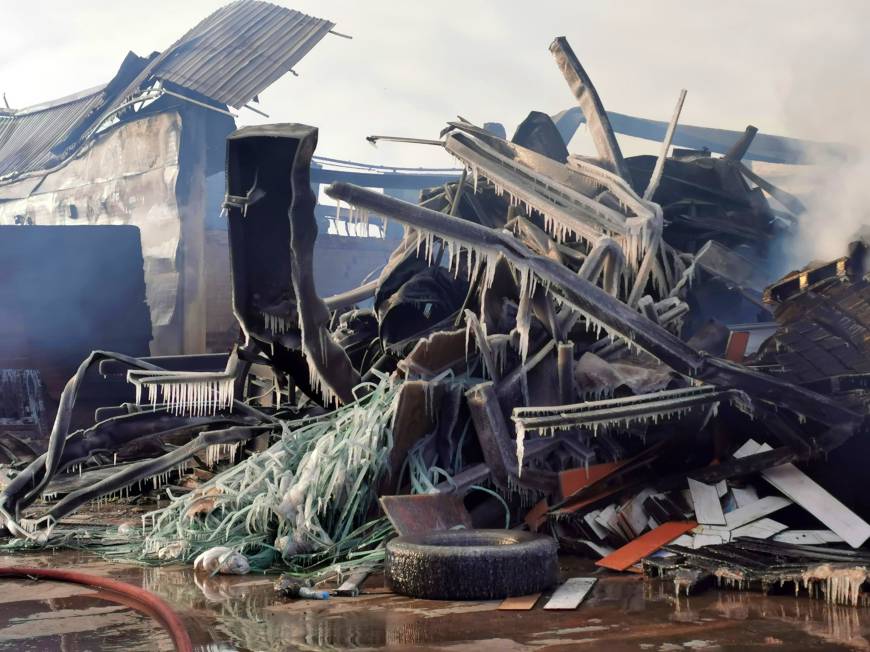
<point x="144" y="601"/>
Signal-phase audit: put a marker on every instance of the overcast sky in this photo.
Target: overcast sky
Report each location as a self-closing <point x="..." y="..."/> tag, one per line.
<point x="413" y="65"/>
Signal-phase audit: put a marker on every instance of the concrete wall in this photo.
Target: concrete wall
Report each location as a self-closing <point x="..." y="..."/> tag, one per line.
<point x="126" y="176"/>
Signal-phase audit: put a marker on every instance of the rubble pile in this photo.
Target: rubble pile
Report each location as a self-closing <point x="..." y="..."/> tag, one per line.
<point x="549" y="341"/>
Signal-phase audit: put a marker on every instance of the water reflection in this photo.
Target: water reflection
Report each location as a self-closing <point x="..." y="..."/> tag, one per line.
<point x="226" y="614"/>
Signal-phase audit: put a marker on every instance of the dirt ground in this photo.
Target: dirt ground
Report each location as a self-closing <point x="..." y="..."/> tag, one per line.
<point x="624" y="612"/>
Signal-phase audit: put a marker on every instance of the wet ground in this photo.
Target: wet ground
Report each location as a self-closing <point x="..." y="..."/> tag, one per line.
<point x="624" y="612"/>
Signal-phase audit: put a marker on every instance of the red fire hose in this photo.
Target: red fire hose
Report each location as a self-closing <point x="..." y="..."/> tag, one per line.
<point x="144" y="601"/>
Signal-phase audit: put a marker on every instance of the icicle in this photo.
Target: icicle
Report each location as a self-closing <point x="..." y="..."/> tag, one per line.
<point x="521" y="448"/>
<point x="524" y="313"/>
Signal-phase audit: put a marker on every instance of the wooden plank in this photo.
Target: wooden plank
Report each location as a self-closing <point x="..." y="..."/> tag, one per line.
<point x="705" y="498"/>
<point x="571" y="593"/>
<point x="633" y="552"/>
<point x="519" y="603"/>
<point x="807" y="493"/>
<point x="573" y="480"/>
<point x="754" y="511"/>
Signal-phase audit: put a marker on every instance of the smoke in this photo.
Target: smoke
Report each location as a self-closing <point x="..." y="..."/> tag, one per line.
<point x="826" y="101"/>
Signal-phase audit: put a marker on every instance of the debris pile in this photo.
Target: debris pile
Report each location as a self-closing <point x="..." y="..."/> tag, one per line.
<point x="548" y="342"/>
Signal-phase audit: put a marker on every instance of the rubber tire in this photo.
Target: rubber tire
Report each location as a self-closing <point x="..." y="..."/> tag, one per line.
<point x="471" y="564"/>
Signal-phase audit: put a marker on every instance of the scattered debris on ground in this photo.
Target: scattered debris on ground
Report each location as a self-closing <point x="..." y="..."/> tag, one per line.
<point x="556" y="356"/>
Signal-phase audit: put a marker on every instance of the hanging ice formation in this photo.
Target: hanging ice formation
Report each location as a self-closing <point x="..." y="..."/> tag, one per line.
<point x="521" y="448"/>
<point x="194" y="395"/>
<point x="566" y="212"/>
<point x="276" y="323"/>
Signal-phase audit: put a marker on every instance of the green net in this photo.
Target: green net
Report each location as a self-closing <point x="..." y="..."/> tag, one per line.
<point x="309" y="500"/>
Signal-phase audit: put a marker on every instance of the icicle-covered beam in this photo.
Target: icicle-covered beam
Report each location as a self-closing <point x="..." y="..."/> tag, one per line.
<point x="11" y="499"/>
<point x="590" y="103"/>
<point x="621" y="412"/>
<point x="606" y="256"/>
<point x="153" y="467"/>
<point x="659" y="168"/>
<point x="596" y="306"/>
<point x="669" y="311"/>
<point x="604" y="311"/>
<point x="579" y="185"/>
<point x="473" y="326"/>
<point x="495" y="441"/>
<point x="184" y="392"/>
<point x="566" y="212"/>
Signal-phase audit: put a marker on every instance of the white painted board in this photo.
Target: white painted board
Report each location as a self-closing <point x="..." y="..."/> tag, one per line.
<point x="807" y="493"/>
<point x="744" y="496"/>
<point x="761" y="529"/>
<point x="808" y="537"/>
<point x="571" y="593"/>
<point x="593" y="524"/>
<point x="607" y="519"/>
<point x="754" y="511"/>
<point x="705" y="498"/>
<point x="684" y="540"/>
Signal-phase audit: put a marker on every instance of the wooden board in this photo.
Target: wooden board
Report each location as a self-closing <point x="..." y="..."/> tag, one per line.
<point x="807" y="493"/>
<point x="519" y="603"/>
<point x="644" y="545"/>
<point x="571" y="593"/>
<point x="705" y="498"/>
<point x="573" y="480"/>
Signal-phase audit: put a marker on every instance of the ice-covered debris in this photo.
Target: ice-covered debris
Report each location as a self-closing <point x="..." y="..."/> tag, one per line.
<point x="276" y="323"/>
<point x="222" y="560"/>
<point x="194" y="397"/>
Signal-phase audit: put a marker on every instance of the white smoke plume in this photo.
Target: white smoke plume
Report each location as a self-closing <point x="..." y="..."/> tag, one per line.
<point x="827" y="100"/>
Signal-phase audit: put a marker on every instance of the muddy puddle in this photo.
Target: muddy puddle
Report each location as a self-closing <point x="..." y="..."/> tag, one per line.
<point x="241" y="613"/>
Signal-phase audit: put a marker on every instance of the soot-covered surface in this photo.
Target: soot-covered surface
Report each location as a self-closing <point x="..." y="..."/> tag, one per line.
<point x="623" y="612"/>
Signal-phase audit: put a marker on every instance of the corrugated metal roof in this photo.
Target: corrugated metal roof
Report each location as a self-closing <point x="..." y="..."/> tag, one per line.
<point x="230" y="57"/>
<point x="27" y="136"/>
<point x="239" y="50"/>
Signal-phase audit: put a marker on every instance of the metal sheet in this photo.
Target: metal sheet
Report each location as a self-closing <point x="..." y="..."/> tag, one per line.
<point x="239" y="50"/>
<point x="425" y="512"/>
<point x="571" y="593"/>
<point x="28" y="136"/>
<point x="708" y="509"/>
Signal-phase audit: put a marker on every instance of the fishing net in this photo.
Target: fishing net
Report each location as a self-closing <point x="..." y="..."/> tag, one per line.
<point x="310" y="499"/>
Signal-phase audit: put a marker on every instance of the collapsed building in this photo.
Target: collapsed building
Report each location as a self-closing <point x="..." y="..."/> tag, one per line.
<point x="546" y="350"/>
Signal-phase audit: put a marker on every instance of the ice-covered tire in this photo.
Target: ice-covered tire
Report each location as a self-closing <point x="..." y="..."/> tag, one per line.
<point x="471" y="564"/>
